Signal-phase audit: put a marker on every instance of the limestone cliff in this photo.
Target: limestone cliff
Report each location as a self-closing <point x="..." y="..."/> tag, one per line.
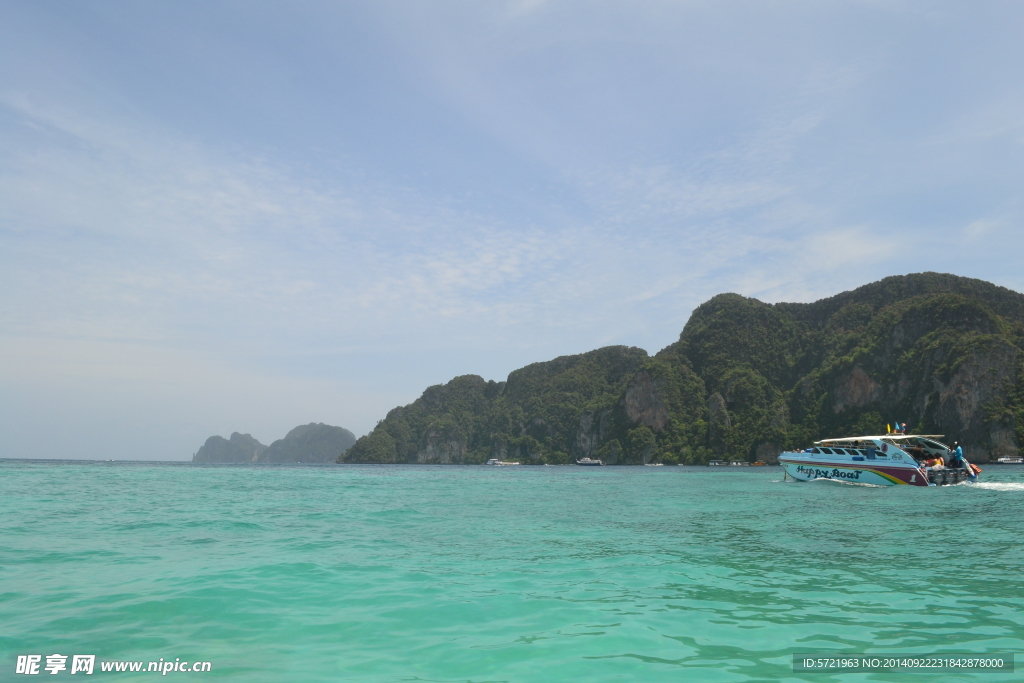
<point x="315" y="442"/>
<point x="536" y="416"/>
<point x="239" y="448"/>
<point x="745" y="380"/>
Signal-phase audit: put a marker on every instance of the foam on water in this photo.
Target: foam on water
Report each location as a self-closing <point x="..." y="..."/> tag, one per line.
<point x="999" y="486"/>
<point x="377" y="573"/>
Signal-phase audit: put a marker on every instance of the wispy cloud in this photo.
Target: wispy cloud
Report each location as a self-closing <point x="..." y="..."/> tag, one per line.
<point x="153" y="222"/>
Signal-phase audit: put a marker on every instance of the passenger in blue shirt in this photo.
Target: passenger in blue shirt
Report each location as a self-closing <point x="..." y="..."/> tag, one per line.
<point x="958" y="455"/>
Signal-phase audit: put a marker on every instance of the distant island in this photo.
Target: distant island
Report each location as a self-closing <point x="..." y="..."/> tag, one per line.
<point x="315" y="442"/>
<point x="744" y="381"/>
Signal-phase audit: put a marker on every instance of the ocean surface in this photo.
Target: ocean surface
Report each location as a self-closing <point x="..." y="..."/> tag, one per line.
<point x="477" y="574"/>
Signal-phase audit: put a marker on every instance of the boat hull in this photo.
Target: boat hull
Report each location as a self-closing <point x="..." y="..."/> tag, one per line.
<point x="866" y="472"/>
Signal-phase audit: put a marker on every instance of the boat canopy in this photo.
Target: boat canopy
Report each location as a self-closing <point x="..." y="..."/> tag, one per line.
<point x="892" y="437"/>
<point x="928" y="442"/>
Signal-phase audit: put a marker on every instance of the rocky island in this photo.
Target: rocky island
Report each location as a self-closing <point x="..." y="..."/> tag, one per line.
<point x="315" y="442"/>
<point x="745" y="380"/>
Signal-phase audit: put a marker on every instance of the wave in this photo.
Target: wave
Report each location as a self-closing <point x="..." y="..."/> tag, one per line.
<point x="1000" y="486"/>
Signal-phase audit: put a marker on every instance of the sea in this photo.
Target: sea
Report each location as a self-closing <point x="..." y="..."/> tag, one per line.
<point x="475" y="574"/>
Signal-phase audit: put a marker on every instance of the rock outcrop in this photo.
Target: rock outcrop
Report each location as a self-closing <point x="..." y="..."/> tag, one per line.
<point x="315" y="442"/>
<point x="642" y="402"/>
<point x="239" y="448"/>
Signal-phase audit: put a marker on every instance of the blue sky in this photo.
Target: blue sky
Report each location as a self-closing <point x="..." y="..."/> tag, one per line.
<point x="221" y="216"/>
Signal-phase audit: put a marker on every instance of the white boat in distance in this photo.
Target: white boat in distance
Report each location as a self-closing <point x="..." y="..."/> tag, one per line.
<point x="890" y="460"/>
<point x="587" y="462"/>
<point x="494" y="462"/>
<point x="1011" y="460"/>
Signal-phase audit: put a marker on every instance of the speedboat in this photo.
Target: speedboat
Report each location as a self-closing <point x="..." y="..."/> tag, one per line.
<point x="890" y="460"/>
<point x="587" y="462"/>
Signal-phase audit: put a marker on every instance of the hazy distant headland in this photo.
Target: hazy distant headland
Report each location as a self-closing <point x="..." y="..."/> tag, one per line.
<point x="315" y="442"/>
<point x="744" y="381"/>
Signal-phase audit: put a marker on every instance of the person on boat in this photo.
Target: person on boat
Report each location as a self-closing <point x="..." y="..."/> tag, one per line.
<point x="903" y="429"/>
<point x="958" y="455"/>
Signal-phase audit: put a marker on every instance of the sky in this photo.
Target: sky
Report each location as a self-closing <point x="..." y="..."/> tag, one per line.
<point x="245" y="216"/>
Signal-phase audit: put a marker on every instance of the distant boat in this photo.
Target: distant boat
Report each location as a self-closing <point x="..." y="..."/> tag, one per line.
<point x="717" y="463"/>
<point x="494" y="462"/>
<point x="587" y="462"/>
<point x="1011" y="460"/>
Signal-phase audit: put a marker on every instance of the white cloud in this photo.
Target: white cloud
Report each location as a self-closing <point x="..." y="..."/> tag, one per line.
<point x="979" y="228"/>
<point x="163" y="226"/>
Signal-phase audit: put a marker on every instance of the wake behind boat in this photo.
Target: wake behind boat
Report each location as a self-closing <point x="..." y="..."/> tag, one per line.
<point x="880" y="460"/>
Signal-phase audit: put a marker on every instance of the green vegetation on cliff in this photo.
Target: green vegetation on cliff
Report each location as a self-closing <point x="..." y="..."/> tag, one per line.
<point x="745" y="380"/>
<point x="534" y="415"/>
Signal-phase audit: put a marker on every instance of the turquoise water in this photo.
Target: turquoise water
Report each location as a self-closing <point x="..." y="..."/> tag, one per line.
<point x="404" y="573"/>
